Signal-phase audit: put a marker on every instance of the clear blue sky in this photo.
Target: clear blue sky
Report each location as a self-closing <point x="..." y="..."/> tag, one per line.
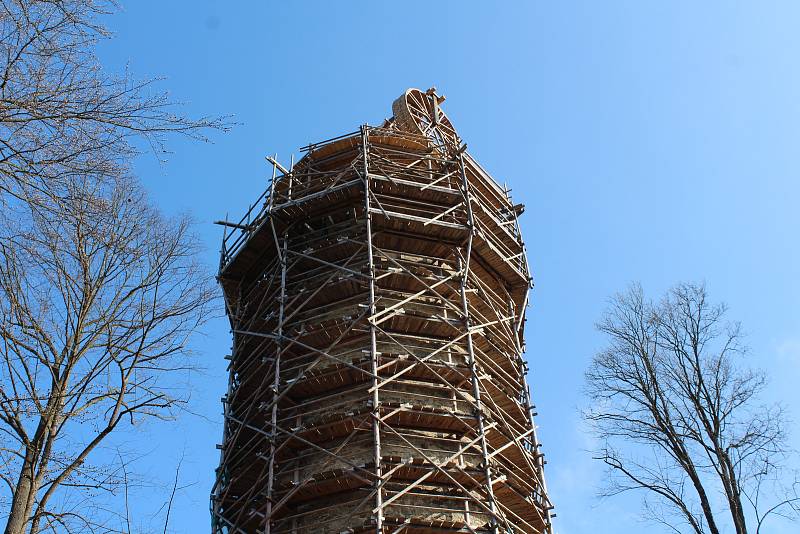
<point x="650" y="141"/>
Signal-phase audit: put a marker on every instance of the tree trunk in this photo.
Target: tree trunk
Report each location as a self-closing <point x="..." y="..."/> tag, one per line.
<point x="705" y="504"/>
<point x="732" y="492"/>
<point x="33" y="466"/>
<point x="23" y="499"/>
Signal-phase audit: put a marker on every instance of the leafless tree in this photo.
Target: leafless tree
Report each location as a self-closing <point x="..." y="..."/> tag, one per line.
<point x="98" y="294"/>
<point x="61" y="116"/>
<point x="98" y="290"/>
<point x="679" y="416"/>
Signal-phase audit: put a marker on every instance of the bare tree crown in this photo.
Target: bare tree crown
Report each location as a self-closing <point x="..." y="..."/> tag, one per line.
<point x="679" y="416"/>
<point x="61" y="116"/>
<point x="98" y="290"/>
<point x="98" y="295"/>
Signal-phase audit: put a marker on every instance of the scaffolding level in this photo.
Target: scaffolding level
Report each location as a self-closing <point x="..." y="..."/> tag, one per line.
<point x="376" y="294"/>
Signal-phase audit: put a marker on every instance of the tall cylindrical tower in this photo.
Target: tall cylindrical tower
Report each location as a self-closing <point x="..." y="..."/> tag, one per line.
<point x="376" y="294"/>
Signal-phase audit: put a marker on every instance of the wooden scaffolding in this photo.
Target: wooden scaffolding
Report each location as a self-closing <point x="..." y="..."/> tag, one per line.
<point x="376" y="294"/>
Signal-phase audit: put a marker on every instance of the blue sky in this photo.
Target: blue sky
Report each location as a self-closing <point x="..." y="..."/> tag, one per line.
<point x="650" y="141"/>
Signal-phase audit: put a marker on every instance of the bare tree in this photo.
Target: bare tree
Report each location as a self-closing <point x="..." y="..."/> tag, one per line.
<point x="98" y="290"/>
<point x="679" y="417"/>
<point x="60" y="115"/>
<point x="98" y="294"/>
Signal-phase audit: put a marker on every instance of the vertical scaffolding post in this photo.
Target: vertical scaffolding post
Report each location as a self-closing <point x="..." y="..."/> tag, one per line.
<point x="273" y="430"/>
<point x="476" y="392"/>
<point x="372" y="338"/>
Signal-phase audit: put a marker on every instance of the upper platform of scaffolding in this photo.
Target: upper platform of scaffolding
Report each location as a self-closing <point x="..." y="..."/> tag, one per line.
<point x="419" y="129"/>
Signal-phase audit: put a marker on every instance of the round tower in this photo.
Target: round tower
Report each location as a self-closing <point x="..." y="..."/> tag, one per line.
<point x="376" y="294"/>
